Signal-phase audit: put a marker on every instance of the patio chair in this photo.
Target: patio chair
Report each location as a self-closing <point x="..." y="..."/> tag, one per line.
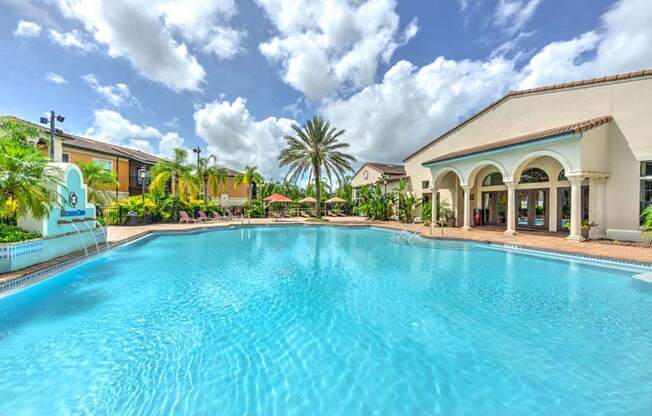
<point x="184" y="217"/>
<point x="217" y="217"/>
<point x="203" y="216"/>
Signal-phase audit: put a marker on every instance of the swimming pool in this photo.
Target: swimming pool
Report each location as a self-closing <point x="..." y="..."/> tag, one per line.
<point x="326" y="320"/>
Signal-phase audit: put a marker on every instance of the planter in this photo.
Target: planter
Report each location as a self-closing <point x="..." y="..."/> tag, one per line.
<point x="16" y="256"/>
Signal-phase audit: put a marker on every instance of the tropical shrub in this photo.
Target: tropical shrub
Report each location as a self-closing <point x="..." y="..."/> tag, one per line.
<point x="405" y="202"/>
<point x="255" y="208"/>
<point x="12" y="234"/>
<point x="373" y="203"/>
<point x="646" y="222"/>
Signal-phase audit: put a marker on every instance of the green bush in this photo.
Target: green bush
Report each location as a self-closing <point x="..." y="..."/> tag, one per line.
<point x="12" y="234"/>
<point x="255" y="209"/>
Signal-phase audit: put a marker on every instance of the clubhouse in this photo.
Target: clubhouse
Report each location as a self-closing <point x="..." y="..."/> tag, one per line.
<point x="566" y="157"/>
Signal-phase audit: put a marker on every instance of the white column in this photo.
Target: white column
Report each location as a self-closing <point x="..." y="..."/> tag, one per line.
<point x="511" y="208"/>
<point x="597" y="210"/>
<point x="467" y="207"/>
<point x="552" y="207"/>
<point x="576" y="209"/>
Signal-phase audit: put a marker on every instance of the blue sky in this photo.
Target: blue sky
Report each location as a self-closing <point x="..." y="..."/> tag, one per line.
<point x="232" y="76"/>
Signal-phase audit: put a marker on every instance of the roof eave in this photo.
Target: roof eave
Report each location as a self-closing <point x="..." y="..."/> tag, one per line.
<point x="553" y="138"/>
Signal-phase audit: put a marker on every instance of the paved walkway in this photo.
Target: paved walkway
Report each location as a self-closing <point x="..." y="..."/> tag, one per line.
<point x="534" y="239"/>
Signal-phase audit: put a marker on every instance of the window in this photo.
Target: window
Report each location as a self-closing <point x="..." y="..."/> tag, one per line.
<point x="65" y="158"/>
<point x="493" y="179"/>
<point x="425" y="184"/>
<point x="646" y="184"/>
<point x="562" y="176"/>
<point x="106" y="164"/>
<point x="534" y="175"/>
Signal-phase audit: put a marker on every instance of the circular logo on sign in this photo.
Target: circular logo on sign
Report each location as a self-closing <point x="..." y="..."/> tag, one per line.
<point x="72" y="199"/>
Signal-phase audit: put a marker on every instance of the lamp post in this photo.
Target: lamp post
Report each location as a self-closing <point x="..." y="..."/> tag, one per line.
<point x="53" y="117"/>
<point x="142" y="173"/>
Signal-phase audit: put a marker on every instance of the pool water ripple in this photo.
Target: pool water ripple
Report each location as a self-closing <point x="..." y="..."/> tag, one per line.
<point x="325" y="320"/>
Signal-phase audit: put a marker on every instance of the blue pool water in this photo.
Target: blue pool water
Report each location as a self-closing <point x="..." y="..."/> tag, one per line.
<point x="326" y="321"/>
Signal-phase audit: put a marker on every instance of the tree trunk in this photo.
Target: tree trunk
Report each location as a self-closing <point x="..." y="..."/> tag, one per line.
<point x="205" y="190"/>
<point x="318" y="190"/>
<point x="175" y="214"/>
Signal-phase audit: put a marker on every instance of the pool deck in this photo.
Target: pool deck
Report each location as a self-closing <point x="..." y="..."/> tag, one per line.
<point x="537" y="240"/>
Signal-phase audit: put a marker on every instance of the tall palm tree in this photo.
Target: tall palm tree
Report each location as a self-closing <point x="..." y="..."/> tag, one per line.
<point x="28" y="184"/>
<point x="210" y="175"/>
<point x="315" y="147"/>
<point x="99" y="182"/>
<point x="177" y="172"/>
<point x="249" y="177"/>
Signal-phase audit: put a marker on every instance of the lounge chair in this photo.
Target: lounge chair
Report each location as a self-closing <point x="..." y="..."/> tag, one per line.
<point x="217" y="217"/>
<point x="203" y="216"/>
<point x="184" y="217"/>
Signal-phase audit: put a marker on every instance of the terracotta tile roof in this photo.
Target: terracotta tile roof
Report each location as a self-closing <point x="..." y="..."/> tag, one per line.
<point x="576" y="128"/>
<point x="388" y="168"/>
<point x="555" y="87"/>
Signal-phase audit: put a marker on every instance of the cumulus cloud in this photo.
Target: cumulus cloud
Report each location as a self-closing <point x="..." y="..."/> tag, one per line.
<point x="26" y="29"/>
<point x="111" y="127"/>
<point x="72" y="40"/>
<point x="388" y="120"/>
<point x="237" y="139"/>
<point x="205" y="24"/>
<point x="136" y="33"/>
<point x="621" y="43"/>
<point x="513" y="15"/>
<point x="117" y="94"/>
<point x="324" y="45"/>
<point x="55" y="78"/>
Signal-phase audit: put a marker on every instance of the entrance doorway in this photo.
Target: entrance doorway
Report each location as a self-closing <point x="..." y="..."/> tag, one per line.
<point x="494" y="205"/>
<point x="532" y="208"/>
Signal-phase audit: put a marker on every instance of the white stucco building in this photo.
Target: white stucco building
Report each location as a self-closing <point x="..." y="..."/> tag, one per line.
<point x="549" y="158"/>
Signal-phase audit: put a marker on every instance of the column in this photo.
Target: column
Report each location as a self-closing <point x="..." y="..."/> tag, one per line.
<point x="467" y="207"/>
<point x="597" y="209"/>
<point x="511" y="208"/>
<point x="576" y="209"/>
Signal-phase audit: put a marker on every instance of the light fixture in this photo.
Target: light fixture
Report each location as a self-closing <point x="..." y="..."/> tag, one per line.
<point x="44" y="120"/>
<point x="60" y="118"/>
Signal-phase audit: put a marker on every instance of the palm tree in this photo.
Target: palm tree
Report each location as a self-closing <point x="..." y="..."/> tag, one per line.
<point x="176" y="172"/>
<point x="28" y="184"/>
<point x="316" y="147"/>
<point x="248" y="178"/>
<point x="99" y="181"/>
<point x="210" y="175"/>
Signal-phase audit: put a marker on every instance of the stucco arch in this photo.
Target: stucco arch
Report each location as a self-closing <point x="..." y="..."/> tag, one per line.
<point x="473" y="173"/>
<point x="527" y="158"/>
<point x="448" y="169"/>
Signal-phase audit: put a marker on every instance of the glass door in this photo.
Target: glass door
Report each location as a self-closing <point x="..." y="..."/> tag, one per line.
<point x="532" y="208"/>
<point x="522" y="209"/>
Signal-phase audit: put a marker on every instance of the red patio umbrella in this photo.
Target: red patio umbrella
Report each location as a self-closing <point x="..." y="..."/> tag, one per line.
<point x="277" y="198"/>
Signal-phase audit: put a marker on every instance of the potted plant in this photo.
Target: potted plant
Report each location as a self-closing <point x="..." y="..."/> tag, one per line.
<point x="585" y="227"/>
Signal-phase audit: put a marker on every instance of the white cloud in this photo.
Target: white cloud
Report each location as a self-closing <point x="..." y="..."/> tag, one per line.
<point x="111" y="127"/>
<point x="134" y="32"/>
<point x="411" y="106"/>
<point x="117" y="94"/>
<point x="324" y="45"/>
<point x="237" y="139"/>
<point x="26" y="29"/>
<point x="205" y="24"/>
<point x="386" y="121"/>
<point x="513" y="15"/>
<point x="620" y="44"/>
<point x="71" y="40"/>
<point x="225" y="43"/>
<point x="55" y="78"/>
